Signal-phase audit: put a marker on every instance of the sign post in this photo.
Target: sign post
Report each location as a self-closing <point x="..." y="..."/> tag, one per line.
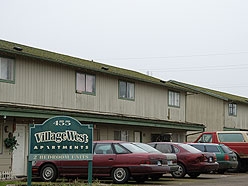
<point x="60" y="138"/>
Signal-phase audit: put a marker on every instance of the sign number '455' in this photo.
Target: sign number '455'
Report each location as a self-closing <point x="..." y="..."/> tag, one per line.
<point x="62" y="123"/>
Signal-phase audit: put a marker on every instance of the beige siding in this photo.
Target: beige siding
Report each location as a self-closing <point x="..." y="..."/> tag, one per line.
<point x="240" y="121"/>
<point x="177" y="114"/>
<point x="40" y="83"/>
<point x="213" y="113"/>
<point x="47" y="84"/>
<point x="206" y="110"/>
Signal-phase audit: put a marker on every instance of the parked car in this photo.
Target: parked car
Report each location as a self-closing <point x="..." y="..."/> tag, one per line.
<point x="226" y="158"/>
<point x="171" y="158"/>
<point x="235" y="140"/>
<point x="190" y="160"/>
<point x="116" y="159"/>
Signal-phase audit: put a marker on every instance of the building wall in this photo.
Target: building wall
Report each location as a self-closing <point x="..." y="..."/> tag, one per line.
<point x="42" y="84"/>
<point x="206" y="110"/>
<point x="240" y="121"/>
<point x="46" y="84"/>
<point x="213" y="113"/>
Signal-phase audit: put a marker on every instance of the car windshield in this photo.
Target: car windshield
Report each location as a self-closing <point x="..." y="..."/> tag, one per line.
<point x="133" y="148"/>
<point x="189" y="148"/>
<point x="147" y="148"/>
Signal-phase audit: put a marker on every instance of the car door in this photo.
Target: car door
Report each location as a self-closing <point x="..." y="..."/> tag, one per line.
<point x="73" y="167"/>
<point x="103" y="159"/>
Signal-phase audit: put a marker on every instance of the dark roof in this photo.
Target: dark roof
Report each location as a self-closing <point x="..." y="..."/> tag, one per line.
<point x="214" y="93"/>
<point x="19" y="49"/>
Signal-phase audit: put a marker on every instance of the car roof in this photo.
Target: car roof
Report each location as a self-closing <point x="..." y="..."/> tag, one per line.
<point x="209" y="132"/>
<point x="110" y="141"/>
<point x="164" y="142"/>
<point x="209" y="144"/>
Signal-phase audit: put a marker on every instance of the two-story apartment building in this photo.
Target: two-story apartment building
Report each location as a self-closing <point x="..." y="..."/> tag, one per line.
<point x="36" y="85"/>
<point x="217" y="110"/>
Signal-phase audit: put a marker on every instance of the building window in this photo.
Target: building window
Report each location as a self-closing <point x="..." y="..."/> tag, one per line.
<point x="85" y="83"/>
<point x="6" y="69"/>
<point x="121" y="135"/>
<point x="126" y="90"/>
<point x="174" y="99"/>
<point x="232" y="109"/>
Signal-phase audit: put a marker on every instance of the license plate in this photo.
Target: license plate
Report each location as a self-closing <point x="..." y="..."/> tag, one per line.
<point x="210" y="159"/>
<point x="159" y="163"/>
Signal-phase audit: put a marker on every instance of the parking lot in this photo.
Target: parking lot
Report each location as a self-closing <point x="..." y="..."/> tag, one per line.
<point x="227" y="179"/>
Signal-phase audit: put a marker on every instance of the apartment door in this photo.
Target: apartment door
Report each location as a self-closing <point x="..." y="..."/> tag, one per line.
<point x="137" y="136"/>
<point x="19" y="163"/>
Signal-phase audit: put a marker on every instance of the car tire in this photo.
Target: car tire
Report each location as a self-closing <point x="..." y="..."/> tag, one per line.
<point x="194" y="174"/>
<point x="181" y="171"/>
<point x="242" y="167"/>
<point x="48" y="173"/>
<point x="120" y="175"/>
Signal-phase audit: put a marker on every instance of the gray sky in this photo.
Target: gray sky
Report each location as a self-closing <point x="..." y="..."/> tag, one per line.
<point x="200" y="42"/>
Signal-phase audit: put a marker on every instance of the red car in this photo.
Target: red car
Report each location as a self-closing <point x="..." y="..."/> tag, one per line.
<point x="116" y="159"/>
<point x="190" y="160"/>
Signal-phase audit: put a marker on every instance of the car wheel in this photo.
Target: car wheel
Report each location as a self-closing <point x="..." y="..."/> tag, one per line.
<point x="194" y="174"/>
<point x="120" y="175"/>
<point x="242" y="167"/>
<point x="48" y="173"/>
<point x="181" y="171"/>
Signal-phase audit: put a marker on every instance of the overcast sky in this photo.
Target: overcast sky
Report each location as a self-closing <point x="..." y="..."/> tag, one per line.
<point x="200" y="42"/>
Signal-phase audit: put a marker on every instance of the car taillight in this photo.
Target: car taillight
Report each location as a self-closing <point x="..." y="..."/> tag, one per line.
<point x="145" y="162"/>
<point x="226" y="157"/>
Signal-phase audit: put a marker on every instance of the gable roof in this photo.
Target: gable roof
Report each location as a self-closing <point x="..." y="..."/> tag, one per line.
<point x="214" y="93"/>
<point x="10" y="48"/>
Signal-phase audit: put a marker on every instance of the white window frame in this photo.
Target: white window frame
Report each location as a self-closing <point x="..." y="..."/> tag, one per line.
<point x="173" y="98"/>
<point x="126" y="90"/>
<point x="232" y="109"/>
<point x="85" y="83"/>
<point x="6" y="69"/>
